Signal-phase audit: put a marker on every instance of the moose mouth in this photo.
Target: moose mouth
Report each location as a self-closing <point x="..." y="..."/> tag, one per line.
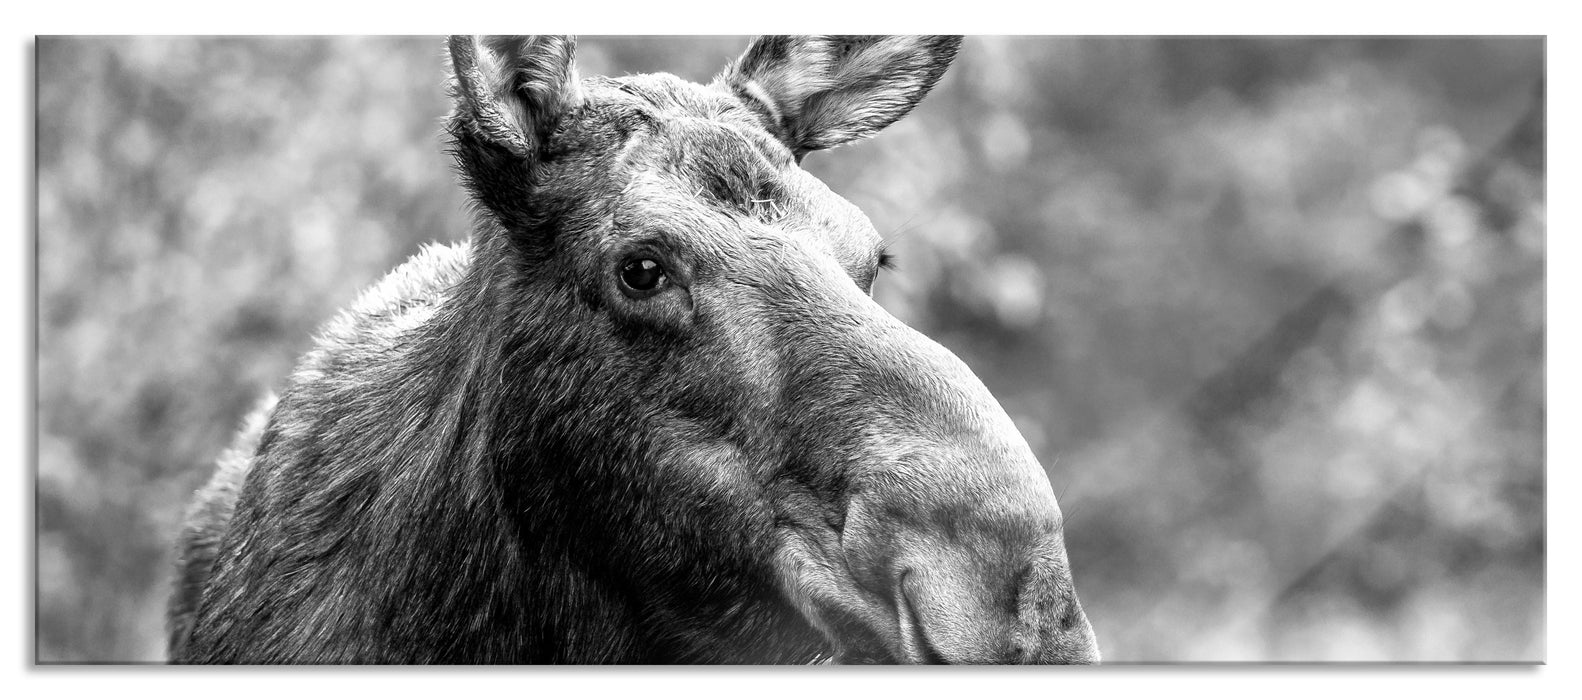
<point x="936" y="611"/>
<point x="864" y="645"/>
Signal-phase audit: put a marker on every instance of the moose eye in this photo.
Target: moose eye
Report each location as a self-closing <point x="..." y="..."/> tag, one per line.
<point x="641" y="277"/>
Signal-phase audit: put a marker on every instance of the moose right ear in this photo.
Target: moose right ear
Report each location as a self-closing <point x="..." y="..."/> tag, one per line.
<point x="817" y="92"/>
<point x="510" y="91"/>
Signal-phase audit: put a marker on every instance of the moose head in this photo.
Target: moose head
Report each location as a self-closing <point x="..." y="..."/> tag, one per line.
<point x="651" y="411"/>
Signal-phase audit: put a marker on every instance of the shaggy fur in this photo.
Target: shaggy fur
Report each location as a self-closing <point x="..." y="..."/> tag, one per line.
<point x="500" y="455"/>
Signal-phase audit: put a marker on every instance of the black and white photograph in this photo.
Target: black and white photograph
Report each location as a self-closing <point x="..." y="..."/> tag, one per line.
<point x="788" y="349"/>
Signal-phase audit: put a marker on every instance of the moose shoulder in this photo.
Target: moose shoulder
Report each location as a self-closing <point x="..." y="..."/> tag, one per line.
<point x="648" y="413"/>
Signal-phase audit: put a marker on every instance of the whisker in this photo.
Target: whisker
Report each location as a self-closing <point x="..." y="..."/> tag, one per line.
<point x="1066" y="514"/>
<point x="905" y="228"/>
<point x="887" y="257"/>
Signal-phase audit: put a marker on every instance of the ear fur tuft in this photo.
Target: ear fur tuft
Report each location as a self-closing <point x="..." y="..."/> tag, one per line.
<point x="510" y="91"/>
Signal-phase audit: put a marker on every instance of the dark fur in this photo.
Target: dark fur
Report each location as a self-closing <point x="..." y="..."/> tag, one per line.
<point x="497" y="457"/>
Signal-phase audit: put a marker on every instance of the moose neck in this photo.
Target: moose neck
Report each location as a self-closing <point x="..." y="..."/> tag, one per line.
<point x="468" y="483"/>
<point x="377" y="486"/>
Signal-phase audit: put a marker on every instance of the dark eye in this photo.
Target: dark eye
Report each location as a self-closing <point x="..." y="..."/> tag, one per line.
<point x="642" y="277"/>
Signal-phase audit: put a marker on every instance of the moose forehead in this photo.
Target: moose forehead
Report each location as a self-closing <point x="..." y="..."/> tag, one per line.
<point x="704" y="147"/>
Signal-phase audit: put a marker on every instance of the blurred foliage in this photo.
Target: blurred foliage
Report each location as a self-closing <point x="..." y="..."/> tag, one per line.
<point x="1270" y="311"/>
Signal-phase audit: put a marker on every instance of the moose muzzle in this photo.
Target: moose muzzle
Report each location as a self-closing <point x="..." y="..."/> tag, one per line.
<point x="950" y="547"/>
<point x="968" y="585"/>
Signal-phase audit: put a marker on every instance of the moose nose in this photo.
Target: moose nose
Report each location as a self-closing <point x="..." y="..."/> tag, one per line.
<point x="967" y="565"/>
<point x="946" y="613"/>
<point x="952" y="533"/>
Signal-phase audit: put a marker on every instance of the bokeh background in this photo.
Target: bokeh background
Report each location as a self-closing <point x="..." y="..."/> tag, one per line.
<point x="1271" y="311"/>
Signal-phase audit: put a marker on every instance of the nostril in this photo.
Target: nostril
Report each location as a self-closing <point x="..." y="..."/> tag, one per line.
<point x="914" y="639"/>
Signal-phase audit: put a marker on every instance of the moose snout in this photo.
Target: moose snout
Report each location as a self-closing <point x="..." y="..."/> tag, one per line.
<point x="950" y="549"/>
<point x="949" y="610"/>
<point x="968" y="585"/>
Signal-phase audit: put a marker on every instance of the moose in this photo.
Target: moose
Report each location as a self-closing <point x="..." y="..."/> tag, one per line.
<point x="648" y="412"/>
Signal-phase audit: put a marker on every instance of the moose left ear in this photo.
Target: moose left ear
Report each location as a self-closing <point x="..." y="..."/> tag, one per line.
<point x="511" y="90"/>
<point x="822" y="91"/>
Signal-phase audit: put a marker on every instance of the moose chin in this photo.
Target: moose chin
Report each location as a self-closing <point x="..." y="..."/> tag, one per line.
<point x="648" y="412"/>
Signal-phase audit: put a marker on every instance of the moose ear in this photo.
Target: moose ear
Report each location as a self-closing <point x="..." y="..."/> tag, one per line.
<point x="819" y="92"/>
<point x="511" y="90"/>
